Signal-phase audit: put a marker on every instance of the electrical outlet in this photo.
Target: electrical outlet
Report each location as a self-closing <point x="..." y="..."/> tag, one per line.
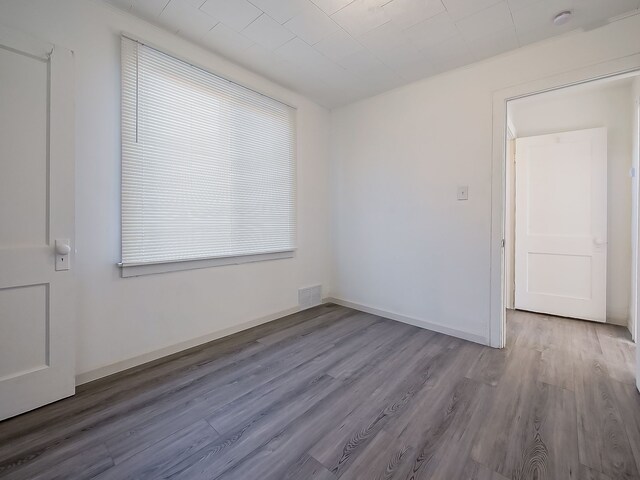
<point x="463" y="193"/>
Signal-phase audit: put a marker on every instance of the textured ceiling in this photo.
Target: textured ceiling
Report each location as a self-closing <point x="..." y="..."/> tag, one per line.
<point x="338" y="51"/>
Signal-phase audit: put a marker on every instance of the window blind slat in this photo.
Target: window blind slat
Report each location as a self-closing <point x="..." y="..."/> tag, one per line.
<point x="208" y="166"/>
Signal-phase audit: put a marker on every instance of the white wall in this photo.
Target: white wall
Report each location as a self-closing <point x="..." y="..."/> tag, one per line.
<point x="400" y="241"/>
<point x="588" y="106"/>
<point x="119" y="319"/>
<point x="403" y="244"/>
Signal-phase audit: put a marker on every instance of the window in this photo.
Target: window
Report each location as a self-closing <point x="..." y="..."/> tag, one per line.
<point x="208" y="166"/>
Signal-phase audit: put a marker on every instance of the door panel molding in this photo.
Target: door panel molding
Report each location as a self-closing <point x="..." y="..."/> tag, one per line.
<point x="43" y="368"/>
<point x="561" y="211"/>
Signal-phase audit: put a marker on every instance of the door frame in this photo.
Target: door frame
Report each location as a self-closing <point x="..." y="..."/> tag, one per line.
<point x="635" y="219"/>
<point x="628" y="65"/>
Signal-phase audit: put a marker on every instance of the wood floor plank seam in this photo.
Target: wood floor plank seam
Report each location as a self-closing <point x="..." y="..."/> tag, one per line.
<point x="340" y="384"/>
<point x="330" y="393"/>
<point x="333" y="358"/>
<point x="415" y="376"/>
<point x="5" y="429"/>
<point x="346" y="385"/>
<point x="293" y="368"/>
<point x="148" y="399"/>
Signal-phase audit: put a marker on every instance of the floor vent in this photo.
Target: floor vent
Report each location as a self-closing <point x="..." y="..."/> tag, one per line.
<point x="310" y="296"/>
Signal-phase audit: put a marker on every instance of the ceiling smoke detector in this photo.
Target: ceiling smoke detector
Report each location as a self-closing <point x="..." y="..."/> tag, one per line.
<point x="562" y="18"/>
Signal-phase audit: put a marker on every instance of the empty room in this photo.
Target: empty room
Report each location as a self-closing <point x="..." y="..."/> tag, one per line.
<point x="319" y="239"/>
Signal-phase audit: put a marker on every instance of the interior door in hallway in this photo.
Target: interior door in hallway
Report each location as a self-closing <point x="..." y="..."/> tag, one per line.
<point x="37" y="349"/>
<point x="561" y="224"/>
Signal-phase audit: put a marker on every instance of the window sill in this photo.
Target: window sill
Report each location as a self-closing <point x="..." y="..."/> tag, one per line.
<point x="154" y="268"/>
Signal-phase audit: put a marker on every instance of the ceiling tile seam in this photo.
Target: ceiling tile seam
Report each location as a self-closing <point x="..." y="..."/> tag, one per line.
<point x="357" y="43"/>
<point x="474" y="12"/>
<point x="466" y="42"/>
<point x="235" y="60"/>
<point x="518" y="33"/>
<point x="318" y="51"/>
<point x="421" y="50"/>
<point x="225" y="24"/>
<point x="339" y="10"/>
<point x="323" y="13"/>
<point x="369" y="50"/>
<point x="289" y="19"/>
<point x="239" y="32"/>
<point x="264" y="13"/>
<point x="284" y="24"/>
<point x="253" y="21"/>
<point x="356" y="39"/>
<point x="165" y="6"/>
<point x="130" y="9"/>
<point x="340" y="27"/>
<point x="212" y="27"/>
<point x="514" y="25"/>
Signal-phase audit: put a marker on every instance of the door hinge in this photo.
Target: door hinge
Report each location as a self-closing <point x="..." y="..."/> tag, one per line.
<point x="502" y="243"/>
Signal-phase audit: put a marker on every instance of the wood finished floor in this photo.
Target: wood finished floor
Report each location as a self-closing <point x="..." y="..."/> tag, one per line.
<point x="333" y="393"/>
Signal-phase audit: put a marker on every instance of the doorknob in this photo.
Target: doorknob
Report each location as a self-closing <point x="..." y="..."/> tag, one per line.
<point x="599" y="241"/>
<point x="63" y="249"/>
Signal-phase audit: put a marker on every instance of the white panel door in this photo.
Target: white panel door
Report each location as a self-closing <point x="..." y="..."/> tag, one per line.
<point x="36" y="209"/>
<point x="561" y="224"/>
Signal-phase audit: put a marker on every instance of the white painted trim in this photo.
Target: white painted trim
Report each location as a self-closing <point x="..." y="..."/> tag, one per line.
<point x="621" y="322"/>
<point x="24" y="43"/>
<point x="178" y="347"/>
<point x="62" y="198"/>
<point x="635" y="220"/>
<point x="436" y="327"/>
<point x="137" y="270"/>
<point x="620" y="66"/>
<point x="512" y="133"/>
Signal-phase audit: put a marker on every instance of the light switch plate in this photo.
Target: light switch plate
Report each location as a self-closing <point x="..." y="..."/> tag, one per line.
<point x="463" y="193"/>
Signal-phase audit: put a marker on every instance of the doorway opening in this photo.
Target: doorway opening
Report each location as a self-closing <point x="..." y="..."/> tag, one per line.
<point x="571" y="202"/>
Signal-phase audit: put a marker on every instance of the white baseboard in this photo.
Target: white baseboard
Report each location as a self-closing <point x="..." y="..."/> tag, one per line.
<point x="620" y="321"/>
<point x="436" y="327"/>
<point x="178" y="347"/>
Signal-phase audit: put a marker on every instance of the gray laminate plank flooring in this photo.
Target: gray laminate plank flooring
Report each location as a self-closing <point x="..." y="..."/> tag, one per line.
<point x="334" y="393"/>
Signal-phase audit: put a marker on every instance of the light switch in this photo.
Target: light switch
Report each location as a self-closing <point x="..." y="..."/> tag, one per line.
<point x="463" y="193"/>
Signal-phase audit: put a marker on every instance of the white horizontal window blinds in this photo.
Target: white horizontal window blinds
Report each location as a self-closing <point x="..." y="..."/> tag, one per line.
<point x="208" y="166"/>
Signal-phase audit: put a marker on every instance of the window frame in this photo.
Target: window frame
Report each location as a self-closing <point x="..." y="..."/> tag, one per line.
<point x="149" y="268"/>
